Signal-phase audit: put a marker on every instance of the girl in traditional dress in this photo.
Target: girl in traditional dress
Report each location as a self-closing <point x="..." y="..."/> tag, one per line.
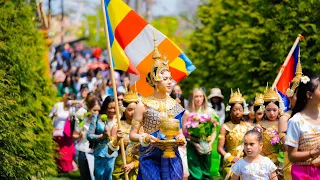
<point x="232" y="132"/>
<point x="85" y="158"/>
<point x="254" y="165"/>
<point x="283" y="121"/>
<point x="130" y="101"/>
<point x="149" y="114"/>
<point x="99" y="132"/>
<point x="269" y="125"/>
<point x="200" y="162"/>
<point x="303" y="135"/>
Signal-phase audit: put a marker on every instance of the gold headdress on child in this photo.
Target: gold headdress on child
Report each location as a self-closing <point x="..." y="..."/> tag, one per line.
<point x="235" y="97"/>
<point x="270" y="95"/>
<point x="131" y="95"/>
<point x="258" y="100"/>
<point x="296" y="79"/>
<point x="158" y="65"/>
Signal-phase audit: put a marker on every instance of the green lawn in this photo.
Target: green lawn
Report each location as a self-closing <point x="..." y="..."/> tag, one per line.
<point x="75" y="175"/>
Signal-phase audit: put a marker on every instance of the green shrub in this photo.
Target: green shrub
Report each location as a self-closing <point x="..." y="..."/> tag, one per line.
<point x="26" y="96"/>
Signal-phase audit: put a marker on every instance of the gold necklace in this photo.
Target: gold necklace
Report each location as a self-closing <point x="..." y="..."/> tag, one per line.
<point x="161" y="105"/>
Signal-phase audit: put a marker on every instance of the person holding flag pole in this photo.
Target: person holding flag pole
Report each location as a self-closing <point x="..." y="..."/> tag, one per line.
<point x="130" y="41"/>
<point x="287" y="73"/>
<point x="116" y="132"/>
<point x="287" y="82"/>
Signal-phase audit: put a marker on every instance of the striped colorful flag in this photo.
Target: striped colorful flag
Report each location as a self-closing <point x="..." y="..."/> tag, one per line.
<point x="131" y="41"/>
<point x="287" y="76"/>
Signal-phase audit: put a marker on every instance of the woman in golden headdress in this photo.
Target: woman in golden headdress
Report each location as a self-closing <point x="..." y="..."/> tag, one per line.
<point x="232" y="132"/>
<point x="130" y="101"/>
<point x="270" y="124"/>
<point x="283" y="121"/>
<point x="150" y="114"/>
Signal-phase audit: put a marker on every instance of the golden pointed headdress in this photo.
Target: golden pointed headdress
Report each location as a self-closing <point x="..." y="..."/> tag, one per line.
<point x="158" y="65"/>
<point x="236" y="97"/>
<point x="258" y="100"/>
<point x="131" y="95"/>
<point x="296" y="79"/>
<point x="270" y="95"/>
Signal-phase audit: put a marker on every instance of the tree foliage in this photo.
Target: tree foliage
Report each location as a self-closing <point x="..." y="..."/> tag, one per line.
<point x="26" y="146"/>
<point x="93" y="29"/>
<point x="173" y="28"/>
<point x="242" y="44"/>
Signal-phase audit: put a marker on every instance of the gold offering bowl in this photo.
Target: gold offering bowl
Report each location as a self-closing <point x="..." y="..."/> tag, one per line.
<point x="170" y="128"/>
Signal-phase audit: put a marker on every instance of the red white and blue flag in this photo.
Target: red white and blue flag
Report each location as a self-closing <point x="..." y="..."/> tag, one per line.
<point x="288" y="74"/>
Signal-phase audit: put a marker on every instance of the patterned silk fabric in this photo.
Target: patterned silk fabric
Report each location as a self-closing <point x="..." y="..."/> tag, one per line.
<point x="151" y="120"/>
<point x="309" y="142"/>
<point x="152" y="164"/>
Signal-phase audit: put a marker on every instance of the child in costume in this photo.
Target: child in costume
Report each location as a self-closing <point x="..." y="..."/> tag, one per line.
<point x="254" y="165"/>
<point x="303" y="135"/>
<point x="232" y="132"/>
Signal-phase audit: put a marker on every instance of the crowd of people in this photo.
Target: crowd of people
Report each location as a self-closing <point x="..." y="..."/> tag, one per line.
<point x="248" y="141"/>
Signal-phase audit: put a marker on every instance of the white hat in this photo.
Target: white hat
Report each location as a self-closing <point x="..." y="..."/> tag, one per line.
<point x="215" y="92"/>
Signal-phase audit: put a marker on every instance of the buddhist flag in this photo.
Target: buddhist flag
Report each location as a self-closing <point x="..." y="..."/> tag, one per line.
<point x="131" y="41"/>
<point x="287" y="76"/>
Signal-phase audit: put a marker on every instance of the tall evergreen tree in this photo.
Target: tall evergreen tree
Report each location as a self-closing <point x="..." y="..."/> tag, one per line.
<point x="242" y="44"/>
<point x="26" y="96"/>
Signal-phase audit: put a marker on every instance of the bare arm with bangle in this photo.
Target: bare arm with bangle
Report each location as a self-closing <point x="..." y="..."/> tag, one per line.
<point x="136" y="123"/>
<point x="300" y="156"/>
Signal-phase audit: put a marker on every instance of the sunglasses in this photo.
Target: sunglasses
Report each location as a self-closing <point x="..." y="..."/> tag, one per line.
<point x="120" y="99"/>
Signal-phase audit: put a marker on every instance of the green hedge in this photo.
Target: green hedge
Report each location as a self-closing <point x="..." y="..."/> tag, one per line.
<point x="26" y="96"/>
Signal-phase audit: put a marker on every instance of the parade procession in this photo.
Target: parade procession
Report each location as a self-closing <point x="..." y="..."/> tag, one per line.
<point x="160" y="90"/>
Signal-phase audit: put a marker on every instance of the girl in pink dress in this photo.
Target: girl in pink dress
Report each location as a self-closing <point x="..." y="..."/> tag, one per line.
<point x="303" y="134"/>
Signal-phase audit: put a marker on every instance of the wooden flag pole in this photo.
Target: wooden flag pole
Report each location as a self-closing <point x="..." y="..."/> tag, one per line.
<point x="286" y="61"/>
<point x="106" y="31"/>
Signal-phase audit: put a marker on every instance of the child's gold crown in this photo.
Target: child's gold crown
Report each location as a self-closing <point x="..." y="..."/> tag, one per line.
<point x="131" y="95"/>
<point x="235" y="97"/>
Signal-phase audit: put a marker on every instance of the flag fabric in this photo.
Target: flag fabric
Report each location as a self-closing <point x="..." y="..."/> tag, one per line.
<point x="131" y="41"/>
<point x="287" y="76"/>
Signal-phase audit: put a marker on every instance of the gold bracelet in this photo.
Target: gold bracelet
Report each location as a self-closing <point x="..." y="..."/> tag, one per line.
<point x="135" y="164"/>
<point x="282" y="134"/>
<point x="311" y="154"/>
<point x="145" y="139"/>
<point x="115" y="143"/>
<point x="221" y="136"/>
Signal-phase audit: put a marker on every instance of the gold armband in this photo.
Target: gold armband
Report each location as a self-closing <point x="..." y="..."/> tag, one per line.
<point x="282" y="135"/>
<point x="221" y="136"/>
<point x="135" y="123"/>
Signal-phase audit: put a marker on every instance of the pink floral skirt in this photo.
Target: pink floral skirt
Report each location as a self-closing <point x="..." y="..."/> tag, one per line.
<point x="309" y="172"/>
